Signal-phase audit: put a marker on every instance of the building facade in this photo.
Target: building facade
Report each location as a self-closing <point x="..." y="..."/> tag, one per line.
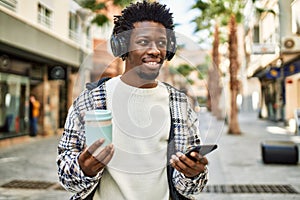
<point x="42" y="45"/>
<point x="273" y="47"/>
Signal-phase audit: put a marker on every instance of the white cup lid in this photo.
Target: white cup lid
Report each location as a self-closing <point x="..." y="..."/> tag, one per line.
<point x="97" y="115"/>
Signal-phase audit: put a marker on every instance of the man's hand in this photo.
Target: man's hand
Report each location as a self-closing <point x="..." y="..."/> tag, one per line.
<point x="187" y="166"/>
<point x="92" y="162"/>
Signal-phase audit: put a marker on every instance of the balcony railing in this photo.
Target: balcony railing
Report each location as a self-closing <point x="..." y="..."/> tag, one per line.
<point x="45" y="20"/>
<point x="9" y="4"/>
<point x="73" y="35"/>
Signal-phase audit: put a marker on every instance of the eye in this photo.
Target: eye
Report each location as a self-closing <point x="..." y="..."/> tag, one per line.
<point x="162" y="43"/>
<point x="143" y="42"/>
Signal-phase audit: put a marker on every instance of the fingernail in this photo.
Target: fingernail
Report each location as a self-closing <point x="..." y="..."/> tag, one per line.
<point x="101" y="140"/>
<point x="179" y="154"/>
<point x="174" y="157"/>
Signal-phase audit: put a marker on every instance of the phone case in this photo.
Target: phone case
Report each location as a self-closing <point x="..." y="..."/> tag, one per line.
<point x="202" y="150"/>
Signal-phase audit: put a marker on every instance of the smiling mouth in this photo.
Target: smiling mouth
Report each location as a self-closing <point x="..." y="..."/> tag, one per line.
<point x="152" y="64"/>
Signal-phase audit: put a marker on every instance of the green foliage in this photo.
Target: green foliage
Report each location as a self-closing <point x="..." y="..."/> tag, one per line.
<point x="99" y="6"/>
<point x="93" y="5"/>
<point x="100" y="20"/>
<point x="202" y="5"/>
<point x="90" y="4"/>
<point x="172" y="70"/>
<point x="202" y="100"/>
<point x="202" y="71"/>
<point x="122" y="3"/>
<point x="217" y="12"/>
<point x="190" y="81"/>
<point x="184" y="69"/>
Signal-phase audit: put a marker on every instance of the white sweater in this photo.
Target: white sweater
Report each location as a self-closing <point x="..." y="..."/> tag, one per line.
<point x="141" y="126"/>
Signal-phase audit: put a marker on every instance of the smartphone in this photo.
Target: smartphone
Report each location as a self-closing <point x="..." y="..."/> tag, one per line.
<point x="201" y="149"/>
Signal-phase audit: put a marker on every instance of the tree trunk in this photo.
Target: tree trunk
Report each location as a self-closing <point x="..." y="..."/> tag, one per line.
<point x="234" y="82"/>
<point x="214" y="89"/>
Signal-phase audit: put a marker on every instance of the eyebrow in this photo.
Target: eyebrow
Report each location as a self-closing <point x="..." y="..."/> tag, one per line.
<point x="149" y="36"/>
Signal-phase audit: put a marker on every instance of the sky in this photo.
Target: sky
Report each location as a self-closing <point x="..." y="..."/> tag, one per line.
<point x="183" y="15"/>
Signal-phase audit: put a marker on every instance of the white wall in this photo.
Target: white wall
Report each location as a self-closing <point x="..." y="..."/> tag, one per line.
<point x="292" y="95"/>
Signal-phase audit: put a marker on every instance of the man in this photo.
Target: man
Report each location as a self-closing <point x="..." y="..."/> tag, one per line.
<point x="152" y="122"/>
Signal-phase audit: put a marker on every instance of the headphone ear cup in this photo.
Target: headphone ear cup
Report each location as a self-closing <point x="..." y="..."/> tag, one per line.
<point x="114" y="46"/>
<point x="118" y="45"/>
<point x="172" y="46"/>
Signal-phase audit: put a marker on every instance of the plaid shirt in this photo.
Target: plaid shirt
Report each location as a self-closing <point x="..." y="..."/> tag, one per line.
<point x="184" y="133"/>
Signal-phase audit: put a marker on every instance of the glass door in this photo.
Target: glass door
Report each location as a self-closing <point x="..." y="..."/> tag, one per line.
<point x="14" y="104"/>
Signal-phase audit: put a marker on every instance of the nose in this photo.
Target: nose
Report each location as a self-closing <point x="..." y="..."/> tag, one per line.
<point x="153" y="49"/>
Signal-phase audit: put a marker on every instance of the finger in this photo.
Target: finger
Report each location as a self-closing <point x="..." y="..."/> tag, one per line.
<point x="95" y="146"/>
<point x="103" y="153"/>
<point x="190" y="167"/>
<point x="175" y="166"/>
<point x="180" y="166"/>
<point x="196" y="156"/>
<point x="85" y="154"/>
<point x="203" y="160"/>
<point x="199" y="158"/>
<point x="185" y="159"/>
<point x="109" y="155"/>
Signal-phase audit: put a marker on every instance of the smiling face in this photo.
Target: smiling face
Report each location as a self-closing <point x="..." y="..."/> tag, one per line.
<point x="147" y="52"/>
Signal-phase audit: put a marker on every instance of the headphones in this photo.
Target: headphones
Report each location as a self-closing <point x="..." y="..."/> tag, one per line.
<point x="119" y="46"/>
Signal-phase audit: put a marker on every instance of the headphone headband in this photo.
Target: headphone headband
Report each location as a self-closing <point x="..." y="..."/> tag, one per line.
<point x="119" y="45"/>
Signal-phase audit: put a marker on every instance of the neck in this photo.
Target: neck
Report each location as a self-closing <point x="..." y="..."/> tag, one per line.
<point x="137" y="82"/>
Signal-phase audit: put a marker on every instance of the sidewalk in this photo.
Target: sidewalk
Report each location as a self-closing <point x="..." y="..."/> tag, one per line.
<point x="34" y="160"/>
<point x="236" y="161"/>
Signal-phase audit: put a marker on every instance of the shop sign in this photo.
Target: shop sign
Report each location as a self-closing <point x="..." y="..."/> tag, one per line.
<point x="292" y="68"/>
<point x="260" y="48"/>
<point x="273" y="73"/>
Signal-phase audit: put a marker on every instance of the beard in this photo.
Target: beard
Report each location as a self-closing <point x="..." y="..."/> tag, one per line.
<point x="148" y="76"/>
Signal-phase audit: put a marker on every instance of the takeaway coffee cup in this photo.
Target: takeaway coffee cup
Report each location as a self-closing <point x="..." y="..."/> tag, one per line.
<point x="98" y="125"/>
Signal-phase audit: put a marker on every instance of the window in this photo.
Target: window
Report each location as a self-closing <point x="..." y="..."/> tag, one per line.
<point x="14" y="92"/>
<point x="256" y="34"/>
<point x="44" y="16"/>
<point x="73" y="27"/>
<point x="88" y="37"/>
<point x="10" y="4"/>
<point x="296" y="17"/>
<point x="268" y="29"/>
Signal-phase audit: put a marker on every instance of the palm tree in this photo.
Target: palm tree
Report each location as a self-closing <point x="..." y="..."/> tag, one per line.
<point x="224" y="12"/>
<point x="205" y="23"/>
<point x="234" y="82"/>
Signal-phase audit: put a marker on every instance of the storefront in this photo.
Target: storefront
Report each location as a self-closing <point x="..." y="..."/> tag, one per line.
<point x="279" y="91"/>
<point x="20" y="77"/>
<point x="17" y="78"/>
<point x="35" y="60"/>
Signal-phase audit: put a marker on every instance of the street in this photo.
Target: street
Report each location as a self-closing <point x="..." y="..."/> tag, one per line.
<point x="31" y="161"/>
<point x="237" y="161"/>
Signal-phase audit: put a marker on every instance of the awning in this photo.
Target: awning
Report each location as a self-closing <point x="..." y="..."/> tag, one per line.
<point x="274" y="72"/>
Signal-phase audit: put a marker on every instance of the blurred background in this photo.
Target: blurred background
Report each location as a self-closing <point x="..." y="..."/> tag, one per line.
<point x="246" y="52"/>
<point x="234" y="58"/>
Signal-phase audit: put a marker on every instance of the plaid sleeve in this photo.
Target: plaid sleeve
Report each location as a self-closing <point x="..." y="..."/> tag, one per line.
<point x="190" y="186"/>
<point x="188" y="136"/>
<point x="71" y="145"/>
